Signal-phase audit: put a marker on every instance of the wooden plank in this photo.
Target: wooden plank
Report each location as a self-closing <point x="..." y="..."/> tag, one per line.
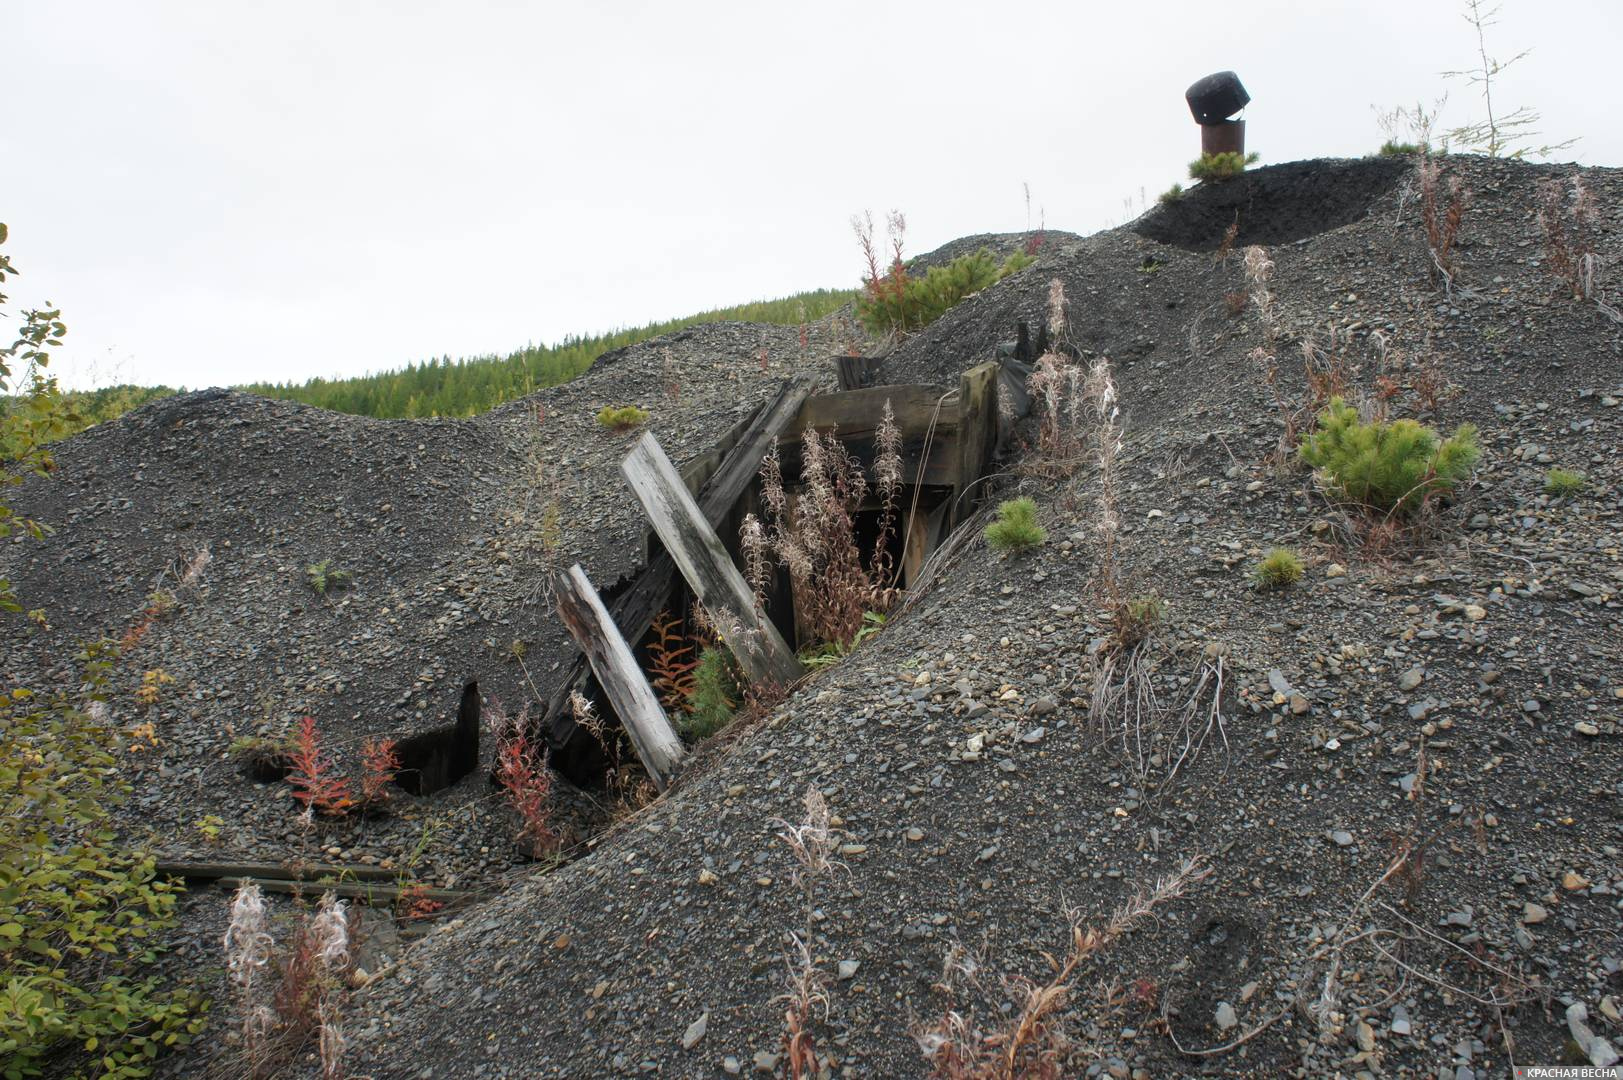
<point x="635" y="609"/>
<point x="856" y="372"/>
<point x="977" y="434"/>
<point x="616" y="669"/>
<point x="856" y="412"/>
<point x="368" y="892"/>
<point x="704" y="562"/>
<point x="200" y="871"/>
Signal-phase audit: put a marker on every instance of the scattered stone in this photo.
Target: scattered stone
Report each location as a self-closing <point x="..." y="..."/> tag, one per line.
<point x="1335" y="570"/>
<point x="1411" y="679"/>
<point x="1342" y="837"/>
<point x="695" y="1032"/>
<point x="848" y="969"/>
<point x="1572" y="881"/>
<point x="1366" y="1037"/>
<point x="1400" y="1021"/>
<point x="1533" y="914"/>
<point x="1226" y="1019"/>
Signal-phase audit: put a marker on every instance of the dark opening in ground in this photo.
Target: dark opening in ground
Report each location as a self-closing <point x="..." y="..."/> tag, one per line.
<point x="1275" y="205"/>
<point x="437" y="759"/>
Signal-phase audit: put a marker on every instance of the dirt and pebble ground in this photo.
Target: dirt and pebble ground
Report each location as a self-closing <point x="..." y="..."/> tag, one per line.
<point x="975" y="796"/>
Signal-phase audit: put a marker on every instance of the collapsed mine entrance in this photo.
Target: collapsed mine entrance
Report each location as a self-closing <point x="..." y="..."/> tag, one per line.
<point x="947" y="437"/>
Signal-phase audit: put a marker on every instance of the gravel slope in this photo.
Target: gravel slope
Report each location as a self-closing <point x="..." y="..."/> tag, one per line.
<point x="975" y="797"/>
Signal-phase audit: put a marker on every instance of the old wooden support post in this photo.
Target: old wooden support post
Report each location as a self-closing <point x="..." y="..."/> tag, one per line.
<point x="977" y="433"/>
<point x="635" y="608"/>
<point x="616" y="669"/>
<point x="704" y="562"/>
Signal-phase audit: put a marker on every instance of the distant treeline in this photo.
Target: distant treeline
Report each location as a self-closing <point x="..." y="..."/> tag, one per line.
<point x="447" y="387"/>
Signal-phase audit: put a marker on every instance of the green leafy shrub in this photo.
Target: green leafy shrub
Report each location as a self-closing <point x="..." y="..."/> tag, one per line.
<point x="901" y="303"/>
<point x="78" y="909"/>
<point x="1388" y="466"/>
<point x="1279" y="568"/>
<point x="1562" y="483"/>
<point x="1220" y="166"/>
<point x="829" y="653"/>
<point x="1016" y="528"/>
<point x="1171" y="194"/>
<point x="621" y="417"/>
<point x="717" y="689"/>
<point x="324" y="575"/>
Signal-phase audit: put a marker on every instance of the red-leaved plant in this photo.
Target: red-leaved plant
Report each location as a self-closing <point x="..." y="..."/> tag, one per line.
<point x="379" y="766"/>
<point x="311" y="776"/>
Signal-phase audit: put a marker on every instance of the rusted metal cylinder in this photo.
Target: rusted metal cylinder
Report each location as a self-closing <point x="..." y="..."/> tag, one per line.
<point x="1223" y="137"/>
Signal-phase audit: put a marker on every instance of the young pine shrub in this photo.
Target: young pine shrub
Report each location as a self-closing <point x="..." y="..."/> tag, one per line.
<point x="893" y="302"/>
<point x="1563" y="483"/>
<point x="1016" y="528"/>
<point x="717" y="691"/>
<point x="1279" y="568"/>
<point x="621" y="417"/>
<point x="1388" y="467"/>
<point x="1212" y="167"/>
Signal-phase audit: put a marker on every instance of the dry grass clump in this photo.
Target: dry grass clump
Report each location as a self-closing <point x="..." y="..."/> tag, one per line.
<point x="1030" y="1042"/>
<point x="283" y="1000"/>
<point x="815" y="538"/>
<point x="812" y="841"/>
<point x="1442" y="209"/>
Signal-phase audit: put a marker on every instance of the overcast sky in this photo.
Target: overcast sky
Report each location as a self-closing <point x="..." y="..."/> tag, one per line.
<point x="219" y="192"/>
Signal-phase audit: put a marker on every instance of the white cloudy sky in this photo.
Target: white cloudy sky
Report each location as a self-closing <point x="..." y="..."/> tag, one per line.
<point x="217" y="192"/>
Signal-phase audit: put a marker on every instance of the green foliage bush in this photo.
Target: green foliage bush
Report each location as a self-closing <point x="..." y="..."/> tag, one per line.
<point x="621" y="417"/>
<point x="1170" y="195"/>
<point x="1279" y="568"/>
<point x="78" y="912"/>
<point x="324" y="575"/>
<point x="717" y="689"/>
<point x="1388" y="466"/>
<point x="1016" y="528"/>
<point x="901" y="303"/>
<point x="1220" y="166"/>
<point x="1562" y="483"/>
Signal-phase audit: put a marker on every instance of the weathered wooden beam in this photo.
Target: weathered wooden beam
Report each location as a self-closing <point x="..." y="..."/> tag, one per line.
<point x="854" y="413"/>
<point x="704" y="562"/>
<point x="856" y="372"/>
<point x="369" y="892"/>
<point x="202" y="871"/>
<point x="616" y="669"/>
<point x="977" y="434"/>
<point x="635" y="609"/>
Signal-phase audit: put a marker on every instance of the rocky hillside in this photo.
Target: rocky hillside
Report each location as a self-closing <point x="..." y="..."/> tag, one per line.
<point x="1404" y="808"/>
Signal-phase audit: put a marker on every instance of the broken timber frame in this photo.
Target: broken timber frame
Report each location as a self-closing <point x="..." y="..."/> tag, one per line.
<point x="703" y="559"/>
<point x="634" y="609"/>
<point x="616" y="669"/>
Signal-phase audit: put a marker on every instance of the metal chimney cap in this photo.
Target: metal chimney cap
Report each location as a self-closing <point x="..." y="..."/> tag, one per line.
<point x="1216" y="97"/>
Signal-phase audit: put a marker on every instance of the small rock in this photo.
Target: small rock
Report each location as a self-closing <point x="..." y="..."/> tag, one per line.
<point x="1572" y="881"/>
<point x="695" y="1032"/>
<point x="765" y="1061"/>
<point x="1342" y="837"/>
<point x="1335" y="570"/>
<point x="848" y="969"/>
<point x="1475" y="612"/>
<point x="1226" y="1019"/>
<point x="1043" y="705"/>
<point x="1366" y="1037"/>
<point x="1584" y="727"/>
<point x="706" y="877"/>
<point x="1400" y="1021"/>
<point x="1411" y="679"/>
<point x="1533" y="914"/>
<point x="1035" y="735"/>
<point x="915" y="834"/>
<point x="731" y="1065"/>
<point x="1299" y="705"/>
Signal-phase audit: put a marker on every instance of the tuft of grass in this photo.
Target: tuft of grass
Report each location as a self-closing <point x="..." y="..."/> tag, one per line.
<point x="717" y="691"/>
<point x="324" y="575"/>
<point x="1210" y="167"/>
<point x="1394" y="148"/>
<point x="1171" y="194"/>
<point x="1138" y="618"/>
<point x="1562" y="483"/>
<point x="1279" y="568"/>
<point x="622" y="417"/>
<point x="1388" y="467"/>
<point x="1016" y="528"/>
